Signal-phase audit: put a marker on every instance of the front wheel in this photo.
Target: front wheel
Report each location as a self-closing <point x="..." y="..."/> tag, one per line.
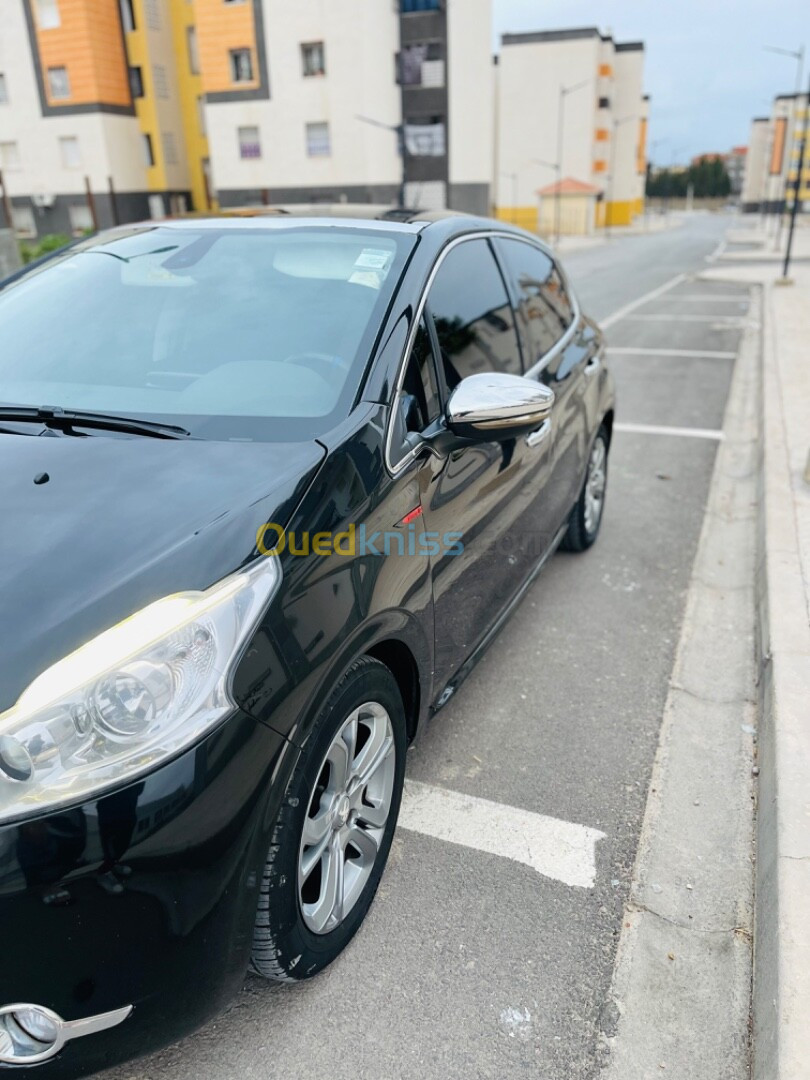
<point x="335" y="827"/>
<point x="586" y="517"/>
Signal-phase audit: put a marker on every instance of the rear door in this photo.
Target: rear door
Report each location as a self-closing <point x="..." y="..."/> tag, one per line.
<point x="560" y="350"/>
<point x="477" y="501"/>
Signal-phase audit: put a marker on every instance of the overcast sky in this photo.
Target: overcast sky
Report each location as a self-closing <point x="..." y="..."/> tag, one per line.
<point x="705" y="66"/>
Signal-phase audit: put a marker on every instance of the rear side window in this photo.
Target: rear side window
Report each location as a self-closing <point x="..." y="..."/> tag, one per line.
<point x="544" y="306"/>
<point x="472" y="314"/>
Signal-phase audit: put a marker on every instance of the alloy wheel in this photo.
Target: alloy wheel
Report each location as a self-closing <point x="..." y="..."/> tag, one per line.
<point x="346" y="817"/>
<point x="595" y="484"/>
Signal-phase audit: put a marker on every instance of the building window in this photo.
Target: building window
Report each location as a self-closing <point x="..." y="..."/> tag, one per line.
<point x="426" y="138"/>
<point x="169" y="148"/>
<point x="313" y="58"/>
<point x="201" y="113"/>
<point x="241" y="65"/>
<point x="157" y="207"/>
<point x="58" y="83"/>
<point x="48" y="14"/>
<point x="3" y="90"/>
<point x="81" y="220"/>
<point x="136" y="82"/>
<point x="24" y="222"/>
<point x="249" y="144"/>
<point x="9" y="156"/>
<point x="409" y="6"/>
<point x="318" y="142"/>
<point x="161" y="83"/>
<point x="152" y="14"/>
<point x="70" y="152"/>
<point x="191" y="49"/>
<point x="148" y="150"/>
<point x="127" y="15"/>
<point x="421" y="64"/>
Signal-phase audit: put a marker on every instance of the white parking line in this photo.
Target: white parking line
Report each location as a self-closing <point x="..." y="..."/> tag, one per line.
<point x="556" y="849"/>
<point x="710" y="298"/>
<point x="637" y="351"/>
<point x="724" y="320"/>
<point x="655" y="429"/>
<point x="622" y="311"/>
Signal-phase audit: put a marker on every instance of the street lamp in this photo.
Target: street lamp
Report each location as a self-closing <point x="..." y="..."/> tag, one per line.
<point x="797" y="192"/>
<point x="564" y="92"/>
<point x="399" y="131"/>
<point x="616" y="125"/>
<point x="798" y="56"/>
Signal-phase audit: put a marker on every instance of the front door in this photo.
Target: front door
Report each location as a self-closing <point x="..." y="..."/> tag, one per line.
<point x="480" y="502"/>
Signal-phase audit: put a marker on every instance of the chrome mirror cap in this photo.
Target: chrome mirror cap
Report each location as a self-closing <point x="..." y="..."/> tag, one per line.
<point x="494" y="405"/>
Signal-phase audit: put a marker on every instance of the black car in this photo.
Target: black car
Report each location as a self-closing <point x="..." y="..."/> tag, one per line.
<point x="269" y="486"/>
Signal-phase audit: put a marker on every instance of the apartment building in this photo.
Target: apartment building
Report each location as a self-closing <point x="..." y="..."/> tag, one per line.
<point x="116" y="110"/>
<point x="772" y="167"/>
<point x="93" y="113"/>
<point x="571" y="126"/>
<point x="348" y="101"/>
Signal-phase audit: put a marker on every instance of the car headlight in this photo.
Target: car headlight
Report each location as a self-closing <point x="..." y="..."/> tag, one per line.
<point x="130" y="698"/>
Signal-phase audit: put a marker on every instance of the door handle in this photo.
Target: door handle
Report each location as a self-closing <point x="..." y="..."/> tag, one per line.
<point x="534" y="438"/>
<point x="592" y="366"/>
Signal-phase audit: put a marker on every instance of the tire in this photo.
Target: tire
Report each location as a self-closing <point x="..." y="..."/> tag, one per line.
<point x="583" y="526"/>
<point x="292" y="940"/>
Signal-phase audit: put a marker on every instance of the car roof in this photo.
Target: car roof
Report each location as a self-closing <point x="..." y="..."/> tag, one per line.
<point x="404" y="219"/>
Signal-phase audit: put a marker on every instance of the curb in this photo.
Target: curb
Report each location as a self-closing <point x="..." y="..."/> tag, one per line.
<point x="781" y="991"/>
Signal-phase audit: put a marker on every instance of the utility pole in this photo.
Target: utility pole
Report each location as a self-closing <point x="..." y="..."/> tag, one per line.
<point x="797" y="193"/>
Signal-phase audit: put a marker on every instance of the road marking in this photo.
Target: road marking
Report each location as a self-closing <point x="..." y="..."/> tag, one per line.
<point x="710" y="298"/>
<point x="725" y="320"/>
<point x="622" y="311"/>
<point x="556" y="849"/>
<point x="718" y="251"/>
<point x="702" y="353"/>
<point x="655" y="429"/>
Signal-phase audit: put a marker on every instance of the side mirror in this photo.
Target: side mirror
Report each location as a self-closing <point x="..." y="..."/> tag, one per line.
<point x="496" y="406"/>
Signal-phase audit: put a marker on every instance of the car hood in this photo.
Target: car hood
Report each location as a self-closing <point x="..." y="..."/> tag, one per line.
<point x="120" y="523"/>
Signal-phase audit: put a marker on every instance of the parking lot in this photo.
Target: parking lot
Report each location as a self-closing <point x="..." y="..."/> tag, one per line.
<point x="490" y="947"/>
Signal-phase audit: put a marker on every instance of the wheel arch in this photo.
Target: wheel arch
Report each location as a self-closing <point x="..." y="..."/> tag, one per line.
<point x="401" y="662"/>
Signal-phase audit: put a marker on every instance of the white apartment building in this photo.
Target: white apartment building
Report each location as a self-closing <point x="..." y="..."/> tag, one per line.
<point x="332" y="90"/>
<point x="571" y="118"/>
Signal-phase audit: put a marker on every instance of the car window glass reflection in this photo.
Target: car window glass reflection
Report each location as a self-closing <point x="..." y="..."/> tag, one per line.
<point x="472" y="314"/>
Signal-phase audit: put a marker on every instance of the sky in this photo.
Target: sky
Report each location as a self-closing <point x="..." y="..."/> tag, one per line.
<point x="705" y="65"/>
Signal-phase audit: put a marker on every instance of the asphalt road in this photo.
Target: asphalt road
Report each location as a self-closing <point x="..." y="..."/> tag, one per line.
<point x="473" y="965"/>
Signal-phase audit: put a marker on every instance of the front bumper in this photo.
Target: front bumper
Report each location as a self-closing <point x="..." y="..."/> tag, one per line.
<point x="143" y="897"/>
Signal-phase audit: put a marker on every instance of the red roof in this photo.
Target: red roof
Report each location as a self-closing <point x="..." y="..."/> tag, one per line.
<point x="569" y="186"/>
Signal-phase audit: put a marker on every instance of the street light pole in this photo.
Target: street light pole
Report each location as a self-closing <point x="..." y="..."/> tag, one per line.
<point x="399" y="131"/>
<point x="797" y="193"/>
<point x="564" y="92"/>
<point x="798" y="56"/>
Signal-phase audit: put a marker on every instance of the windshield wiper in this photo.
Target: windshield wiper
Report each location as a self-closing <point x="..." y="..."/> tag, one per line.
<point x="67" y="419"/>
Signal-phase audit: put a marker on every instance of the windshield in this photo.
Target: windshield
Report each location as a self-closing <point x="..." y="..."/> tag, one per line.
<point x="230" y="332"/>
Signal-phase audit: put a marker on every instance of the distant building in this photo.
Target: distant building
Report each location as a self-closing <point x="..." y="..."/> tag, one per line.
<point x="771" y="171"/>
<point x="604" y="123"/>
<point x="735" y="167"/>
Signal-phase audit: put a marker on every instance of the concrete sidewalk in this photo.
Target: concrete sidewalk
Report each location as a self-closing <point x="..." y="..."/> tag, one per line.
<point x="781" y="993"/>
